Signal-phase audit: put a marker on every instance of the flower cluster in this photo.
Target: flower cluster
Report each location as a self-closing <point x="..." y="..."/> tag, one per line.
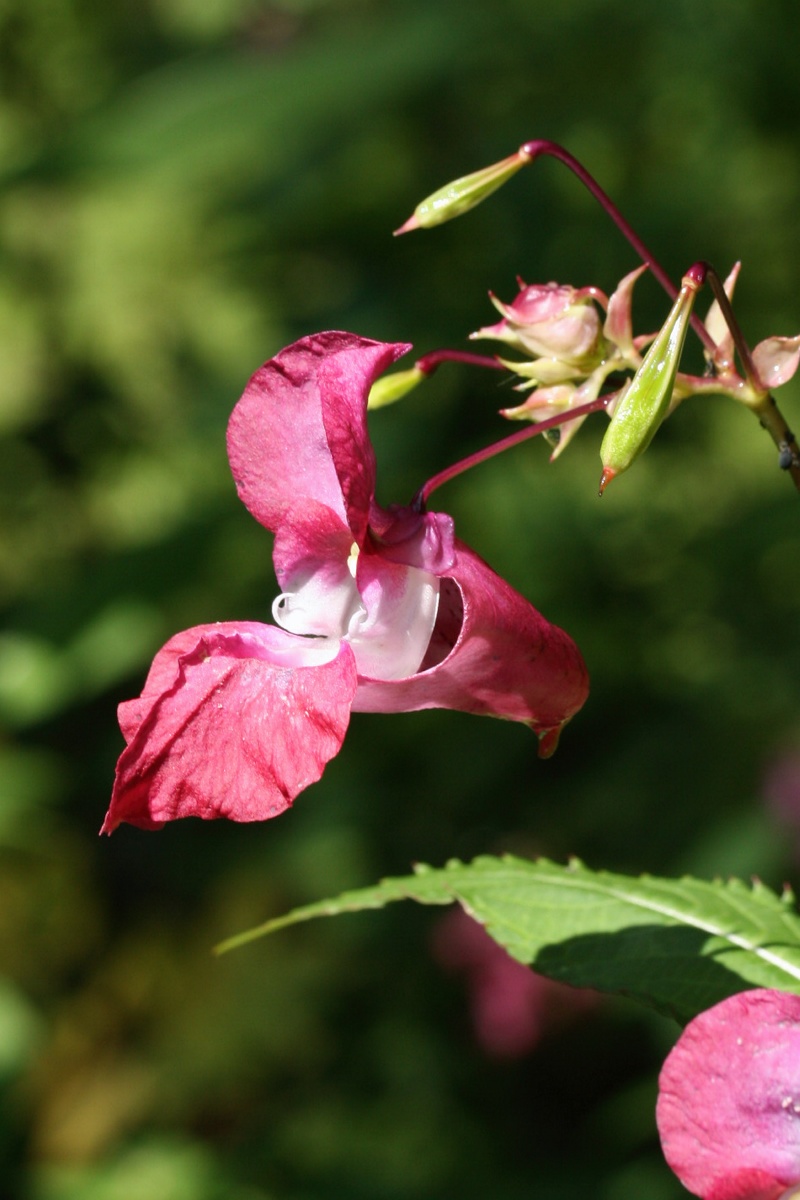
<point x="570" y="356"/>
<point x="380" y="610"/>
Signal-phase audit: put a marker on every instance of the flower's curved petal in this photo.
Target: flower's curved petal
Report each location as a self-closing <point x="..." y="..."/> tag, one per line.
<point x="491" y="652"/>
<point x="234" y="721"/>
<point x="310" y="539"/>
<point x="391" y="635"/>
<point x="618" y="327"/>
<point x="729" y="1099"/>
<point x="776" y="360"/>
<point x="424" y="540"/>
<point x="300" y="429"/>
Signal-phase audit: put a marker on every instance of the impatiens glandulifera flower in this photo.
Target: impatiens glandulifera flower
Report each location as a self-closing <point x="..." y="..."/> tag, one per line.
<point x="381" y="610"/>
<point x="728" y="1109"/>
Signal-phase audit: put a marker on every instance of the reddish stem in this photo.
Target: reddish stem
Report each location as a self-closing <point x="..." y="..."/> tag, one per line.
<point x="716" y="285"/>
<point x="472" y="460"/>
<point x="534" y="149"/>
<point x="429" y="362"/>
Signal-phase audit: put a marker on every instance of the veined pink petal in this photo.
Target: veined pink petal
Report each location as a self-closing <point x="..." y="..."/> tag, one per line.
<point x="776" y="360"/>
<point x="234" y="721"/>
<point x="300" y="429"/>
<point x="491" y="652"/>
<point x="729" y="1099"/>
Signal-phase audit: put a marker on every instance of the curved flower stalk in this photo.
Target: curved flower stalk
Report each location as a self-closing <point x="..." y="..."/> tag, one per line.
<point x="381" y="610"/>
<point x="729" y="1099"/>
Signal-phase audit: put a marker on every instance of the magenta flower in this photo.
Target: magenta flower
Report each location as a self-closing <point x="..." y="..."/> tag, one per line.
<point x="729" y="1099"/>
<point x="512" y="1007"/>
<point x="381" y="610"/>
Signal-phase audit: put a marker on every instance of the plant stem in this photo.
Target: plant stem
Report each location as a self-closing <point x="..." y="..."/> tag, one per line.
<point x="772" y="419"/>
<point x="429" y="362"/>
<point x="472" y="460"/>
<point x="746" y="358"/>
<point x="534" y="149"/>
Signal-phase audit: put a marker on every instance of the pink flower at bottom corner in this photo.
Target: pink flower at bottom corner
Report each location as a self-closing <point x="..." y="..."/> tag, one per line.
<point x="379" y="610"/>
<point x="728" y="1110"/>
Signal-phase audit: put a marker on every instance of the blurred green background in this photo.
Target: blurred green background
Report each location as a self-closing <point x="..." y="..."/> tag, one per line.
<point x="186" y="186"/>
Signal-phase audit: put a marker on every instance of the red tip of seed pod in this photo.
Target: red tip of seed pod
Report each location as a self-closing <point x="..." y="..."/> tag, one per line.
<point x="605" y="479"/>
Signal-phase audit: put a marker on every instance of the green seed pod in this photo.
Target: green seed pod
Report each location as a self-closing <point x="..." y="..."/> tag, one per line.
<point x="463" y="194"/>
<point x="645" y="403"/>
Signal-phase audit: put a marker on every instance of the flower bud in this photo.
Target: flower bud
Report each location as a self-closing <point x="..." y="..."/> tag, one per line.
<point x="645" y="402"/>
<point x="551" y="321"/>
<point x="463" y="194"/>
<point x="390" y="388"/>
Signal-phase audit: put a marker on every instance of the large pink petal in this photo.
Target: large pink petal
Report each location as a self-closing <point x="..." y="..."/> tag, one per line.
<point x="729" y="1099"/>
<point x="234" y="721"/>
<point x="300" y="429"/>
<point x="492" y="653"/>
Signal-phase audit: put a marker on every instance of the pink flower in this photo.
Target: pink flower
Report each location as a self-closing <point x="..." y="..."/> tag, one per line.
<point x="512" y="1006"/>
<point x="729" y="1099"/>
<point x="381" y="610"/>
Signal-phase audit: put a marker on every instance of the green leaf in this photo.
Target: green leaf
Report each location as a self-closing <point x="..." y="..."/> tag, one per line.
<point x="676" y="945"/>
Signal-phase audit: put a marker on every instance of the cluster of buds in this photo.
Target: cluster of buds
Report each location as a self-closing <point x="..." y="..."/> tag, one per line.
<point x="574" y="352"/>
<point x="575" y="341"/>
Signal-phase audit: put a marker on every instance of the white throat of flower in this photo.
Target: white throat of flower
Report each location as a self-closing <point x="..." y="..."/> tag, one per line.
<point x="388" y="623"/>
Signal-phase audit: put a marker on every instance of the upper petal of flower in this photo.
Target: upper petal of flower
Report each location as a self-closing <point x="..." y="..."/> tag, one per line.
<point x="729" y="1099"/>
<point x="300" y="429"/>
<point x="490" y="652"/>
<point x="234" y="721"/>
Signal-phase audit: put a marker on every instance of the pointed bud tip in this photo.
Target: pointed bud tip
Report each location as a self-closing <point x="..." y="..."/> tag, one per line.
<point x="411" y="224"/>
<point x="605" y="479"/>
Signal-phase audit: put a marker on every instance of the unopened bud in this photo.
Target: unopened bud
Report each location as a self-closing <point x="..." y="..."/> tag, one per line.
<point x="463" y="194"/>
<point x="390" y="388"/>
<point x="552" y="321"/>
<point x="645" y="402"/>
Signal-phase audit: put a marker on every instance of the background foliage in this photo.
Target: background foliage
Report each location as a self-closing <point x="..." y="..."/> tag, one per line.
<point x="187" y="185"/>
